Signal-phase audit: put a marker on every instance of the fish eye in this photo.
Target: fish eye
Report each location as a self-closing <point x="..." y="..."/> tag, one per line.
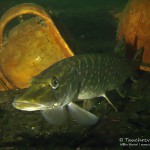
<point x="54" y="83"/>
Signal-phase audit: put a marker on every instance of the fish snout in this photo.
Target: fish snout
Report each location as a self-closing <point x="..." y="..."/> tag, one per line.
<point x="28" y="105"/>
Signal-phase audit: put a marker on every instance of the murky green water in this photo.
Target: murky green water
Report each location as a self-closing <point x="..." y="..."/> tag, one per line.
<point x="93" y="26"/>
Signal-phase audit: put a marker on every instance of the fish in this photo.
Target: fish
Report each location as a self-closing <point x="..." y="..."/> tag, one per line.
<point x="84" y="77"/>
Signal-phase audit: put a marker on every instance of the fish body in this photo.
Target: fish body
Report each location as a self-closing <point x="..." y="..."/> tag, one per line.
<point x="81" y="77"/>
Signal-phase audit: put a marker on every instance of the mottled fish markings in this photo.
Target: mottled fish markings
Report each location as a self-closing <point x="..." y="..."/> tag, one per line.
<point x="81" y="77"/>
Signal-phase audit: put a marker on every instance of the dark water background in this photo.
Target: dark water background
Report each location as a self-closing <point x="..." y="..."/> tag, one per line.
<point x="92" y="25"/>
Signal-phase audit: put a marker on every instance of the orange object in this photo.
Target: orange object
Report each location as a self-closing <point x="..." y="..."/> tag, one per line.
<point x="32" y="46"/>
<point x="135" y="26"/>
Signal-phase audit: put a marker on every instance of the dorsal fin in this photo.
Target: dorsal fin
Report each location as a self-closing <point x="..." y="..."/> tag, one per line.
<point x="120" y="49"/>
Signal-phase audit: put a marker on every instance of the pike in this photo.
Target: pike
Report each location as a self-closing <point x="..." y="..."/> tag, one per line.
<point x="83" y="77"/>
<point x="79" y="78"/>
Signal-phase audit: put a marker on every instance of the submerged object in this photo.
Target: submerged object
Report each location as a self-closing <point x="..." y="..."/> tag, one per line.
<point x="31" y="47"/>
<point x="57" y="89"/>
<point x="134" y="25"/>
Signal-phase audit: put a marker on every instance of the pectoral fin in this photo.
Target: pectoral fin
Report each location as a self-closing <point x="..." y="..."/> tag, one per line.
<point x="56" y="115"/>
<point x="80" y="115"/>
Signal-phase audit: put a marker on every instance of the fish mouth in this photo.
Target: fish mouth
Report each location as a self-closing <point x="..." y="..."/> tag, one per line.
<point x="28" y="106"/>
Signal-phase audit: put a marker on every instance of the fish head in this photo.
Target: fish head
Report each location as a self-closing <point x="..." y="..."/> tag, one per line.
<point x="54" y="87"/>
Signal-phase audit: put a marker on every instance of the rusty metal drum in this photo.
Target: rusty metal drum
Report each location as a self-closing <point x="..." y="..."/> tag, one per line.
<point x="31" y="46"/>
<point x="134" y="25"/>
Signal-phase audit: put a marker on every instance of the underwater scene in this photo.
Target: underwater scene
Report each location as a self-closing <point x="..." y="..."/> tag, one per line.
<point x="74" y="75"/>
